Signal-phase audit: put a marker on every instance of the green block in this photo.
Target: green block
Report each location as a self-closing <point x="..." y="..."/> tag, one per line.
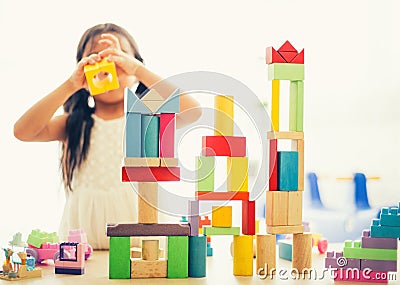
<point x="300" y="106"/>
<point x="119" y="258"/>
<point x="285" y="71"/>
<point x="150" y="135"/>
<point x="197" y="256"/>
<point x="205" y="173"/>
<point x="219" y="231"/>
<point x="353" y="250"/>
<point x="293" y="106"/>
<point x="178" y="257"/>
<point x="285" y="250"/>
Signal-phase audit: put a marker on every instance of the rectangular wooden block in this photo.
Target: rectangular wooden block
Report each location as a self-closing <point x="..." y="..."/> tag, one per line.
<point x="295" y="208"/>
<point x="221" y="216"/>
<point x="285" y="71"/>
<point x="293" y="106"/>
<point x="353" y="250"/>
<point x="150" y="174"/>
<point x="285" y="229"/>
<point x="298" y="145"/>
<point x="249" y="217"/>
<point x="197" y="256"/>
<point x="119" y="258"/>
<point x="205" y="166"/>
<point x="178" y="257"/>
<point x="169" y="162"/>
<point x="150" y="249"/>
<point x="148" y="268"/>
<point x="285" y="249"/>
<point x="133" y="135"/>
<point x="273" y="165"/>
<point x="275" y="105"/>
<point x="288" y="162"/>
<point x="167" y="135"/>
<point x="302" y="251"/>
<point x="150" y="135"/>
<point x="277" y="208"/>
<point x="130" y="230"/>
<point x="300" y="106"/>
<point x="222" y="196"/>
<point x="224" y="146"/>
<point x="285" y="135"/>
<point x="217" y="231"/>
<point x="266" y="254"/>
<point x="148" y="202"/>
<point x="141" y="161"/>
<point x="223" y="115"/>
<point x="243" y="255"/>
<point x="379" y="265"/>
<point x="237" y="170"/>
<point x="194" y="211"/>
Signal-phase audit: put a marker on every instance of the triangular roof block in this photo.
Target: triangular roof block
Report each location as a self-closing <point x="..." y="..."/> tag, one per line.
<point x="273" y="56"/>
<point x="132" y="103"/>
<point x="299" y="58"/>
<point x="288" y="55"/>
<point x="287" y="46"/>
<point x="153" y="105"/>
<point x="171" y="104"/>
<point x="152" y="95"/>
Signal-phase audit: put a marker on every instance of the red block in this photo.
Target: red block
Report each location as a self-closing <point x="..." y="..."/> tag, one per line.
<point x="288" y="55"/>
<point x="273" y="165"/>
<point x="150" y="174"/>
<point x="224" y="146"/>
<point x="273" y="56"/>
<point x="167" y="135"/>
<point x="249" y="217"/>
<point x="287" y="46"/>
<point x="222" y="196"/>
<point x="299" y="58"/>
<point x="204" y="222"/>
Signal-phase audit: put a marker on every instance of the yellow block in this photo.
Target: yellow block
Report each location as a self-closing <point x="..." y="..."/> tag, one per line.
<point x="243" y="255"/>
<point x="237" y="169"/>
<point x="223" y="115"/>
<point x="275" y="105"/>
<point x="100" y="85"/>
<point x="221" y="216"/>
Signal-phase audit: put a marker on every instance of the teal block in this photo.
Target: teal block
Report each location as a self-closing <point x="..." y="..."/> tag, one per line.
<point x="197" y="256"/>
<point x="219" y="231"/>
<point x="285" y="250"/>
<point x="178" y="257"/>
<point x="390" y="220"/>
<point x="150" y="135"/>
<point x="119" y="258"/>
<point x="205" y="166"/>
<point x="133" y="135"/>
<point x="286" y="71"/>
<point x="209" y="250"/>
<point x="288" y="162"/>
<point x="385" y="231"/>
<point x="132" y="103"/>
<point x="171" y="104"/>
<point x="300" y="106"/>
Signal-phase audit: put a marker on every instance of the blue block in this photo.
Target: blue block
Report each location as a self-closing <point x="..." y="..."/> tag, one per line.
<point x="150" y="136"/>
<point x="197" y="256"/>
<point x="171" y="104"/>
<point x="285" y="250"/>
<point x="133" y="135"/>
<point x="132" y="103"/>
<point x="288" y="169"/>
<point x="385" y="231"/>
<point x="209" y="250"/>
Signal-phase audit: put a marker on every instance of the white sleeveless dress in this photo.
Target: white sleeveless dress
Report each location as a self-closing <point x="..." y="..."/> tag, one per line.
<point x="99" y="197"/>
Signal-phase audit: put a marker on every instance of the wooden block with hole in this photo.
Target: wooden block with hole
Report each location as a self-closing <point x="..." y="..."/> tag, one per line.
<point x="223" y="115"/>
<point x="150" y="249"/>
<point x="148" y="268"/>
<point x="95" y="82"/>
<point x="266" y="254"/>
<point x="298" y="145"/>
<point x="295" y="207"/>
<point x="277" y="208"/>
<point x="148" y="202"/>
<point x="237" y="169"/>
<point x="221" y="216"/>
<point x="302" y="251"/>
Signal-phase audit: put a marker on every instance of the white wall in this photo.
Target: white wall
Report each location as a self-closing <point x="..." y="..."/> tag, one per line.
<point x="351" y="92"/>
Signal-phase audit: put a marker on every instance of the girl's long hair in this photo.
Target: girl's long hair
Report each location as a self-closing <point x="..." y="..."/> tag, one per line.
<point x="80" y="122"/>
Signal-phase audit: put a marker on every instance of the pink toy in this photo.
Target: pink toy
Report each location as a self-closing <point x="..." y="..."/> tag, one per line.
<point x="79" y="236"/>
<point x="72" y="259"/>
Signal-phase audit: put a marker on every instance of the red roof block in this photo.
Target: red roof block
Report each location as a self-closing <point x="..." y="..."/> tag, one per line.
<point x="287" y="46"/>
<point x="273" y="56"/>
<point x="299" y="58"/>
<point x="288" y="55"/>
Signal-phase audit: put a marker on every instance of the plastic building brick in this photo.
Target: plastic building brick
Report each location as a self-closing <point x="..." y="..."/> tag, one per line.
<point x="224" y="146"/>
<point x="390" y="217"/>
<point x="94" y="72"/>
<point x="72" y="259"/>
<point x="178" y="257"/>
<point x="371" y="242"/>
<point x="333" y="260"/>
<point x="243" y="255"/>
<point x="197" y="256"/>
<point x="223" y="115"/>
<point x="353" y="250"/>
<point x="379" y="265"/>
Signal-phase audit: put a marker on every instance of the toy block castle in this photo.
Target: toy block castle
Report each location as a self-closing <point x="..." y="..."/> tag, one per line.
<point x="373" y="256"/>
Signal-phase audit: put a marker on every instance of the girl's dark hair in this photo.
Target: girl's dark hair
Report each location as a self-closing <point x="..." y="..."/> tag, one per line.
<point x="80" y="122"/>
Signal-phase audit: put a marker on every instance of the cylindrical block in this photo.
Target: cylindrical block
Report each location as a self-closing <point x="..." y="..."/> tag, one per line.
<point x="197" y="256"/>
<point x="150" y="249"/>
<point x="243" y="255"/>
<point x="266" y="254"/>
<point x="302" y="250"/>
<point x="223" y="115"/>
<point x="148" y="202"/>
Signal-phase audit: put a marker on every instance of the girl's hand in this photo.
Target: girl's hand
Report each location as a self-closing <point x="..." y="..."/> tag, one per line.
<point x="78" y="78"/>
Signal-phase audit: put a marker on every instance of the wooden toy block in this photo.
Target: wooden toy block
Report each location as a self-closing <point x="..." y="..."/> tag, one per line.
<point x="133" y="130"/>
<point x="130" y="230"/>
<point x="302" y="252"/>
<point x="300" y="106"/>
<point x="288" y="56"/>
<point x="277" y="208"/>
<point x="132" y="103"/>
<point x="243" y="255"/>
<point x="272" y="56"/>
<point x="295" y="207"/>
<point x="299" y="58"/>
<point x="167" y="135"/>
<point x="148" y="202"/>
<point x="150" y="249"/>
<point x="379" y="265"/>
<point x="384" y="231"/>
<point x="354" y="250"/>
<point x="197" y="256"/>
<point x="222" y="196"/>
<point x="361" y="276"/>
<point x="221" y="216"/>
<point x="249" y="217"/>
<point x="153" y="105"/>
<point x="285" y="71"/>
<point x="150" y="136"/>
<point x="285" y="135"/>
<point x="205" y="173"/>
<point x="223" y="115"/>
<point x="152" y="95"/>
<point x="136" y="252"/>
<point x="148" y="268"/>
<point x="287" y="46"/>
<point x="293" y="106"/>
<point x="119" y="259"/>
<point x="285" y="229"/>
<point x="237" y="171"/>
<point x="169" y="162"/>
<point x="371" y="242"/>
<point x="171" y="104"/>
<point x="288" y="162"/>
<point x="178" y="257"/>
<point x="94" y="72"/>
<point x="224" y="146"/>
<point x="298" y="145"/>
<point x="218" y="231"/>
<point x="150" y="174"/>
<point x="285" y="249"/>
<point x="275" y="105"/>
<point x="141" y="161"/>
<point x="273" y="165"/>
<point x="194" y="219"/>
<point x="266" y="254"/>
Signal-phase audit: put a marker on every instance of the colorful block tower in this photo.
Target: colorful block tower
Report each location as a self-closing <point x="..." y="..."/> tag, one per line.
<point x="286" y="168"/>
<point x="375" y="253"/>
<point x="224" y="143"/>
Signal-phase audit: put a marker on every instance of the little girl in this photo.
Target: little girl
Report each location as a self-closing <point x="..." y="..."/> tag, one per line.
<point x="91" y="132"/>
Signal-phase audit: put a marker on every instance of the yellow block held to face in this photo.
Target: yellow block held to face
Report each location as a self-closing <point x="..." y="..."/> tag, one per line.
<point x="101" y="77"/>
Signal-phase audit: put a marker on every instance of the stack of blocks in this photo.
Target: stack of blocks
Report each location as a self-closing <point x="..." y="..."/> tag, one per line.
<point x="224" y="143"/>
<point x="286" y="168"/>
<point x="376" y="252"/>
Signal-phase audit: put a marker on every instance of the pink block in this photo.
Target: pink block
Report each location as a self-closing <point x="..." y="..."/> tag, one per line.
<point x="361" y="276"/>
<point x="167" y="135"/>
